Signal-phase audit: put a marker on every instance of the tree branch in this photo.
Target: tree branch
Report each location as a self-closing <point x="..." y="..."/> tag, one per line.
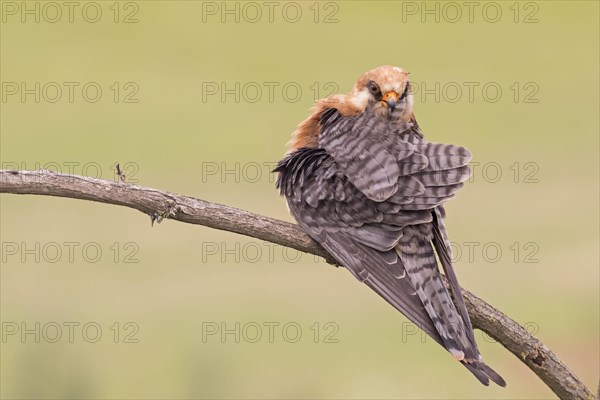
<point x="159" y="204"/>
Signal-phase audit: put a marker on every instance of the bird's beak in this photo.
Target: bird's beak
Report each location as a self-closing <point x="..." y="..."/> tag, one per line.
<point x="391" y="99"/>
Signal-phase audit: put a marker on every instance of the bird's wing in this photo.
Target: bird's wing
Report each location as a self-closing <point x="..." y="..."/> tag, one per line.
<point x="381" y="164"/>
<point x="373" y="158"/>
<point x="362" y="233"/>
<point x="363" y="210"/>
<point x="369" y="164"/>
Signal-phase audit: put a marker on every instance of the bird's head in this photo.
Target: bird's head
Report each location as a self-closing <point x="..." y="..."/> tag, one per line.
<point x="386" y="89"/>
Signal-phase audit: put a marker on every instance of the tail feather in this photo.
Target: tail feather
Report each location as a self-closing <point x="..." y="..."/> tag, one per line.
<point x="450" y="318"/>
<point x="418" y="258"/>
<point x="484" y="373"/>
<point x="444" y="252"/>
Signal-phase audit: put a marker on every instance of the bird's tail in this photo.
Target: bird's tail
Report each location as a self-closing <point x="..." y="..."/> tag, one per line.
<point x="416" y="252"/>
<point x="442" y="247"/>
<point x="483" y="372"/>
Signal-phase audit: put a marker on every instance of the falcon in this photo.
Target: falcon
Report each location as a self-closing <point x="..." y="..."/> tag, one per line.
<point x="360" y="179"/>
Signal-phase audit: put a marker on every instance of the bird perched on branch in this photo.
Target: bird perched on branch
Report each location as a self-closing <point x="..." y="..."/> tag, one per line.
<point x="361" y="180"/>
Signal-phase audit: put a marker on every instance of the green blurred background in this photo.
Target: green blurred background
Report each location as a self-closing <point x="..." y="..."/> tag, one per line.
<point x="178" y="137"/>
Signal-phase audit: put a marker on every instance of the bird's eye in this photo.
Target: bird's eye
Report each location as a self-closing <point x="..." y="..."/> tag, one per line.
<point x="373" y="88"/>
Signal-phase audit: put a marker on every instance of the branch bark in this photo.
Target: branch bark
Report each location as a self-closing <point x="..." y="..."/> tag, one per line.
<point x="159" y="205"/>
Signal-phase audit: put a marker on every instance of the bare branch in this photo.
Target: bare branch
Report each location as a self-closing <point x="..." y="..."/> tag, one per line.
<point x="159" y="204"/>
